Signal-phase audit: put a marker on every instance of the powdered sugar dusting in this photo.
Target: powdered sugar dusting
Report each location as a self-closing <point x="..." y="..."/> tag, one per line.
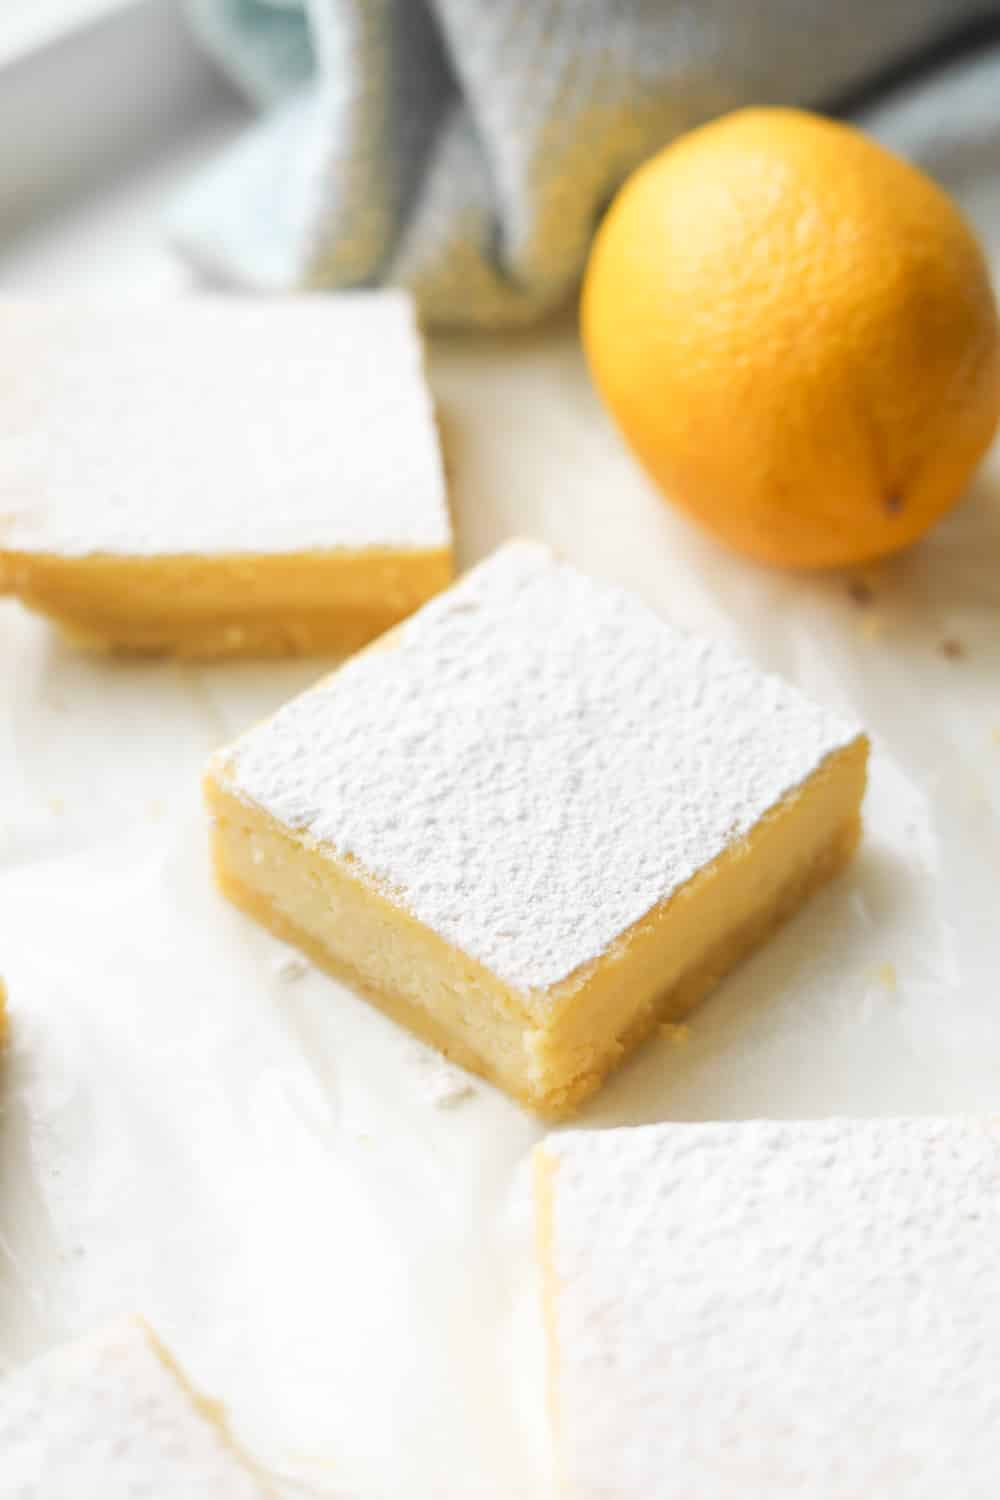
<point x="106" y="1418"/>
<point x="535" y="762"/>
<point x="789" y="1310"/>
<point x="218" y="427"/>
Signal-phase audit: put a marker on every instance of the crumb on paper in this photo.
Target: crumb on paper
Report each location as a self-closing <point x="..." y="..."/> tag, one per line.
<point x="860" y="591"/>
<point x="447" y="1086"/>
<point x="885" y="974"/>
<point x="952" y="648"/>
<point x="441" y="1082"/>
<point x="291" y="966"/>
<point x="675" y="1032"/>
<point x="57" y="805"/>
<point x="156" y="808"/>
<point x="996" y="735"/>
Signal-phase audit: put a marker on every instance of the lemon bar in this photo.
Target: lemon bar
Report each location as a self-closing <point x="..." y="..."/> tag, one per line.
<point x="219" y="478"/>
<point x="111" y="1418"/>
<point x="797" y="1311"/>
<point x="535" y="821"/>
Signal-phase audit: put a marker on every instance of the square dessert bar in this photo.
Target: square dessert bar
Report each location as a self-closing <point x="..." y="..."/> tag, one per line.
<point x="112" y="1418"/>
<point x="535" y="820"/>
<point x="215" y="478"/>
<point x="790" y="1311"/>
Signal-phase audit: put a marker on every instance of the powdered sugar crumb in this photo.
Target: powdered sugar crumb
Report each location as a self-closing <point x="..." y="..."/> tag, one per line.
<point x="535" y="762"/>
<point x="290" y="967"/>
<point x="441" y="1082"/>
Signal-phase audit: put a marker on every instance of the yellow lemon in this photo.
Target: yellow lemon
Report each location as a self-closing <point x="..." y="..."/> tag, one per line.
<point x="796" y="333"/>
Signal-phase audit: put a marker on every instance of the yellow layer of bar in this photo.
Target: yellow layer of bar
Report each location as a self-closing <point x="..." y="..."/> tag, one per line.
<point x="553" y="1048"/>
<point x="242" y="605"/>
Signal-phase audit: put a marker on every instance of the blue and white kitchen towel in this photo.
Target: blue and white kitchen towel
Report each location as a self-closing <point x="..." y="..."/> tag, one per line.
<point x="466" y="148"/>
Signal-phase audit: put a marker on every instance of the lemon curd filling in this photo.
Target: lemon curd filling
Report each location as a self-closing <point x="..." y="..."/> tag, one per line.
<point x="292" y="605"/>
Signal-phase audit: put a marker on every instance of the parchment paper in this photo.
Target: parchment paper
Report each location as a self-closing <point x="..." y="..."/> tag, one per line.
<point x="265" y="1167"/>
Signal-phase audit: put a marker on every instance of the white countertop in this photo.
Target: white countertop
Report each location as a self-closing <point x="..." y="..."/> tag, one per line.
<point x="257" y="1163"/>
